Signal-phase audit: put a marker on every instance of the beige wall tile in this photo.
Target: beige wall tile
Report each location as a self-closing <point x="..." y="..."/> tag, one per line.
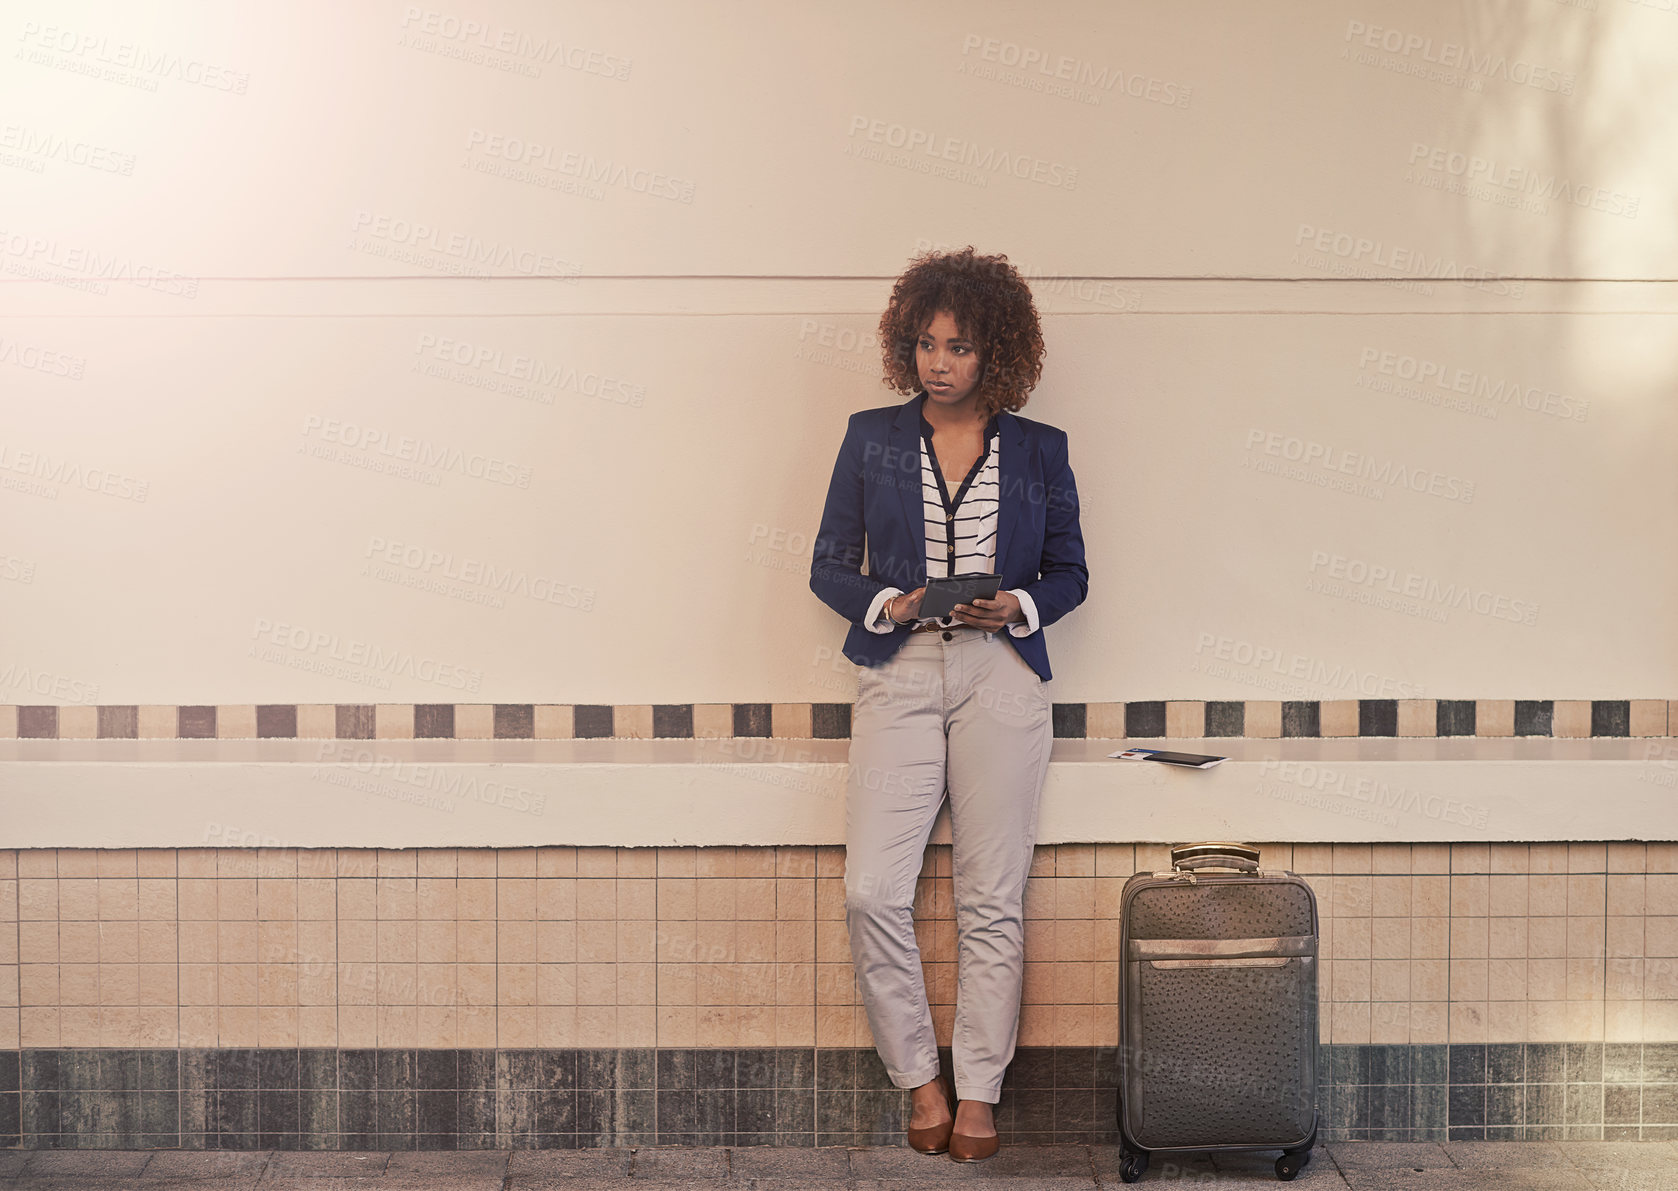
<point x="634" y="721"/>
<point x="236" y="722"/>
<point x="719" y="862"/>
<point x="316" y="721"/>
<point x="1264" y="718"/>
<point x="553" y="721"/>
<point x="1506" y="1021"/>
<point x="790" y="721"/>
<point x="474" y="721"/>
<point x="1626" y="893"/>
<point x="1467" y="1022"/>
<point x="1430" y="858"/>
<point x="1104" y="721"/>
<point x="1547" y="858"/>
<point x="1661" y="893"/>
<point x="37" y="862"/>
<point x="555" y="862"/>
<point x="1623" y="1022"/>
<point x="155" y="862"/>
<point x="1494" y="717"/>
<point x="1571" y="718"/>
<point x="1390" y="858"/>
<point x="77" y="722"/>
<point x="1308" y="858"/>
<point x="1185" y="718"/>
<point x="393" y="721"/>
<point x="1338" y="717"/>
<point x="1418" y="717"/>
<point x="1114" y="860"/>
<point x="713" y="720"/>
<point x="1350" y="1023"/>
<point x="1648" y="717"/>
<point x="1626" y="857"/>
<point x="1470" y="858"/>
<point x="1587" y="893"/>
<point x="1389" y="1023"/>
<point x="1510" y="858"/>
<point x="515" y="863"/>
<point x="156" y="722"/>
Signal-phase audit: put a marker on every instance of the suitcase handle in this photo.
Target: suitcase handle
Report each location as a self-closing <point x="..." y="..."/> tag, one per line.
<point x="1188" y="857"/>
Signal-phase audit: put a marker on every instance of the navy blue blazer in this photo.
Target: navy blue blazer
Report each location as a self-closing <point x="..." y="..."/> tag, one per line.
<point x="875" y="495"/>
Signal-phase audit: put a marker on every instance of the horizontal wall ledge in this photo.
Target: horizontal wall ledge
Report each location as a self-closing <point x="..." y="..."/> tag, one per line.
<point x="767" y="791"/>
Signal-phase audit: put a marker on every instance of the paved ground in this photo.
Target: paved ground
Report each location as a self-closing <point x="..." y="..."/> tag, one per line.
<point x="1418" y="1166"/>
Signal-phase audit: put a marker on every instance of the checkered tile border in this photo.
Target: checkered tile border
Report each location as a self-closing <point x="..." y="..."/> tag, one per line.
<point x="1157" y="719"/>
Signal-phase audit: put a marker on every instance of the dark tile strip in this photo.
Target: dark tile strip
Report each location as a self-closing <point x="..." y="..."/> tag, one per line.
<point x="515" y="721"/>
<point x="1533" y="717"/>
<point x="433" y="721"/>
<point x="473" y="1099"/>
<point x="119" y="723"/>
<point x="1454" y="717"/>
<point x="751" y="719"/>
<point x="276" y="720"/>
<point x="1071" y="721"/>
<point x="1377" y="717"/>
<point x="591" y="720"/>
<point x="1145" y="719"/>
<point x="1610" y="717"/>
<point x="355" y="721"/>
<point x="37" y="723"/>
<point x="195" y="723"/>
<point x="673" y="720"/>
<point x="829" y="721"/>
<point x="1301" y="718"/>
<point x="1226" y="718"/>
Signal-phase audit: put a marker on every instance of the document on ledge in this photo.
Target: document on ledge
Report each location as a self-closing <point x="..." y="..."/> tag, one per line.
<point x="1192" y="760"/>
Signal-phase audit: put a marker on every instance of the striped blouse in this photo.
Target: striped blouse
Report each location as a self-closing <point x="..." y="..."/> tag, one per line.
<point x="960" y="528"/>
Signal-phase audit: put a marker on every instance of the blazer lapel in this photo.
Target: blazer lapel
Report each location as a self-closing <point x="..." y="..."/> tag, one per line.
<point x="905" y="473"/>
<point x="1011" y="481"/>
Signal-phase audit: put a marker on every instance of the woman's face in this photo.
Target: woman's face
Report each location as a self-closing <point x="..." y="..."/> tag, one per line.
<point x="947" y="361"/>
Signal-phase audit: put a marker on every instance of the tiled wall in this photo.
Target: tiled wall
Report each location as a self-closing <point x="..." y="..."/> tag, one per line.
<point x="1163" y="718"/>
<point x="1506" y="951"/>
<point x="747" y="946"/>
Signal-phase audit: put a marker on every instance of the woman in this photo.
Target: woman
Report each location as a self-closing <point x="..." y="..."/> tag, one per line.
<point x="950" y="482"/>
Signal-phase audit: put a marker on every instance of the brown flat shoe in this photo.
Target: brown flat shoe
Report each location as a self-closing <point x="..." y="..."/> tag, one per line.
<point x="964" y="1148"/>
<point x="935" y="1139"/>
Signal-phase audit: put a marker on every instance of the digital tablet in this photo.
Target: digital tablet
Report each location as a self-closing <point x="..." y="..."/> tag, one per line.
<point x="942" y="595"/>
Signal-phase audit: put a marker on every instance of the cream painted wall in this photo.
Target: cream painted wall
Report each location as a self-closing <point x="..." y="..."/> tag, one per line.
<point x="1246" y="251"/>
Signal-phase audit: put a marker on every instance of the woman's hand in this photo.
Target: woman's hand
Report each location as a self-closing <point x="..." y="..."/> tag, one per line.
<point x="905" y="608"/>
<point x="991" y="615"/>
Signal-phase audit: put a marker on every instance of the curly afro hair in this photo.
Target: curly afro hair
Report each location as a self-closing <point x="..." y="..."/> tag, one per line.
<point x="992" y="305"/>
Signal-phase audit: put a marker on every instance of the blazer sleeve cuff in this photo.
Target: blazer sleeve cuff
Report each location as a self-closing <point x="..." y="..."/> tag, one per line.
<point x="877" y="621"/>
<point x="1029" y="607"/>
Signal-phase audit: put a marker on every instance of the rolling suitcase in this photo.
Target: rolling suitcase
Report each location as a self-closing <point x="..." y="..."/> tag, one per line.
<point x="1217" y="1009"/>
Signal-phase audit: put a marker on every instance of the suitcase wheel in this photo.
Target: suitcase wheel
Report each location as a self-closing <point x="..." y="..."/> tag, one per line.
<point x="1132" y="1165"/>
<point x="1292" y="1162"/>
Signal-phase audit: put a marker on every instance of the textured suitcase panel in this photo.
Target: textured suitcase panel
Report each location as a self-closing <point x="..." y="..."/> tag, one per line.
<point x="1214" y="909"/>
<point x="1219" y="1034"/>
<point x="1219" y="1061"/>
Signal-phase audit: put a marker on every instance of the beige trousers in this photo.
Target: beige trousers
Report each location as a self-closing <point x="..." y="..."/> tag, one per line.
<point x="967" y="717"/>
